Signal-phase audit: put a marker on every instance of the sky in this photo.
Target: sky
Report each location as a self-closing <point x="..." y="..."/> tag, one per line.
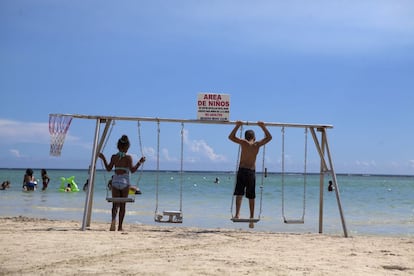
<point x="349" y="64"/>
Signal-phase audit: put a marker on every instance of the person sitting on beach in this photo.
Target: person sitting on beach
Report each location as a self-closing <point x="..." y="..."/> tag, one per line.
<point x="246" y="175"/>
<point x="122" y="163"/>
<point x="29" y="182"/>
<point x="5" y="185"/>
<point x="45" y="179"/>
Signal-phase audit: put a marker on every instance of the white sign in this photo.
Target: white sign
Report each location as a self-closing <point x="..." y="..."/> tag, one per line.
<point x="213" y="106"/>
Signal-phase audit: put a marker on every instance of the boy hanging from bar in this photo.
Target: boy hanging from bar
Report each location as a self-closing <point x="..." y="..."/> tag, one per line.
<point x="246" y="175"/>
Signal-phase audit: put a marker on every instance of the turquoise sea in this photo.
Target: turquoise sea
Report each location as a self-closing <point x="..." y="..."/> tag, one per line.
<point x="372" y="204"/>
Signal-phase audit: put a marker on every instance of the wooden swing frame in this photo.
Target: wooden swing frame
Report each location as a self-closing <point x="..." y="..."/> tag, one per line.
<point x="322" y="147"/>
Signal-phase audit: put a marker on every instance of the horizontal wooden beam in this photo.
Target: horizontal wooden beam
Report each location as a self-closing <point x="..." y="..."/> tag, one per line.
<point x="191" y="121"/>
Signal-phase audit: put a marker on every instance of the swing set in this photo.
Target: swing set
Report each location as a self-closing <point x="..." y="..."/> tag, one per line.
<point x="59" y="124"/>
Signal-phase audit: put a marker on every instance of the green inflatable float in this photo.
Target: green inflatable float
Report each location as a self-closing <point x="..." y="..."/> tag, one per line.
<point x="68" y="184"/>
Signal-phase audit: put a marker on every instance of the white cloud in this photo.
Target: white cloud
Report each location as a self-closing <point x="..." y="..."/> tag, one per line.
<point x="23" y="132"/>
<point x="15" y="153"/>
<point x="166" y="155"/>
<point x="201" y="147"/>
<point x="27" y="132"/>
<point x="149" y="152"/>
<point x="371" y="163"/>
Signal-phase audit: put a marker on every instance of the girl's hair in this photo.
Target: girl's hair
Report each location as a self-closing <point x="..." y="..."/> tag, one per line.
<point x="123" y="142"/>
<point x="44" y="171"/>
<point x="29" y="172"/>
<point x="249" y="135"/>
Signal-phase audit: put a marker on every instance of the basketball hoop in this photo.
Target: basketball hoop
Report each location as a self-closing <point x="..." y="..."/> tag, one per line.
<point x="58" y="127"/>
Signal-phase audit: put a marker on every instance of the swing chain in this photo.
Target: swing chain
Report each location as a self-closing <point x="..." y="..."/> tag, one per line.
<point x="283" y="171"/>
<point x="304" y="177"/>
<point x="139" y="137"/>
<point x="102" y="150"/>
<point x="236" y="170"/>
<point x="142" y="153"/>
<point x="156" y="215"/>
<point x="305" y="172"/>
<point x="105" y="142"/>
<point x="182" y="166"/>
<point x="262" y="182"/>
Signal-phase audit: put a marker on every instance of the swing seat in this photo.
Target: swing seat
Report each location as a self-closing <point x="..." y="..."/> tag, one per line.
<point x="173" y="217"/>
<point x="293" y="221"/>
<point x="255" y="220"/>
<point x="120" y="199"/>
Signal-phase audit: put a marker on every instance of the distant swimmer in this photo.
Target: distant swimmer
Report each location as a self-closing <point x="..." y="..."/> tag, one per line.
<point x="330" y="186"/>
<point x="217" y="181"/>
<point x="85" y="186"/>
<point x="5" y="185"/>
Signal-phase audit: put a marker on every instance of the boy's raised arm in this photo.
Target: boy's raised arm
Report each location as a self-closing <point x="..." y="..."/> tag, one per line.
<point x="232" y="135"/>
<point x="268" y="136"/>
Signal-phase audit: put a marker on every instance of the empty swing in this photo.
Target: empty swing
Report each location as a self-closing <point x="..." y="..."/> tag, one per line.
<point x="172" y="216"/>
<point x="300" y="220"/>
<point x="132" y="193"/>
<point x="257" y="219"/>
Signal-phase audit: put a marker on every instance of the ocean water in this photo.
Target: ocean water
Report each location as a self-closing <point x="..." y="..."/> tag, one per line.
<point x="372" y="205"/>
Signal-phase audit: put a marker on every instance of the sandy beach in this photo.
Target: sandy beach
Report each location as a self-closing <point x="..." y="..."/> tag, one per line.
<point x="46" y="247"/>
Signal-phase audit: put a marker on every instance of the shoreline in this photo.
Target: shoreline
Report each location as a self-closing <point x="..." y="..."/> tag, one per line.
<point x="55" y="247"/>
<point x="226" y="172"/>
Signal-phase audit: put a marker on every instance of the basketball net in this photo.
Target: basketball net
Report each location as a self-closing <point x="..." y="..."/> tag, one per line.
<point x="58" y="127"/>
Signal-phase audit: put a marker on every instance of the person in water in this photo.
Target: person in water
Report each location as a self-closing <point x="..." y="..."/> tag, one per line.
<point x="68" y="188"/>
<point x="330" y="186"/>
<point x="86" y="184"/>
<point x="246" y="175"/>
<point x="45" y="179"/>
<point x="122" y="164"/>
<point x="29" y="182"/>
<point x="5" y="185"/>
